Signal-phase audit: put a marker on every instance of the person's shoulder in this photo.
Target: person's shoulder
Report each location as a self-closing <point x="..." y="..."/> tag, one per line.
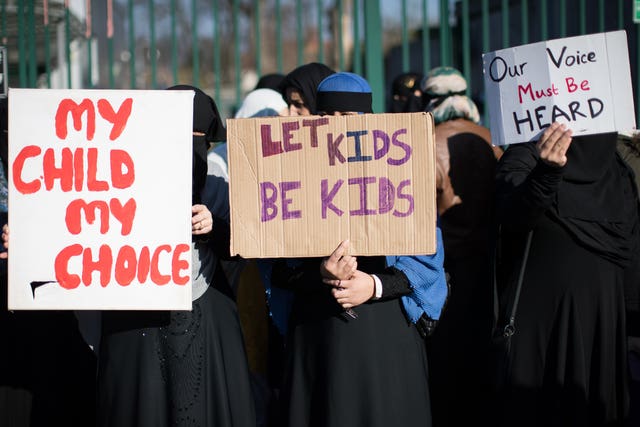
<point x="460" y="125"/>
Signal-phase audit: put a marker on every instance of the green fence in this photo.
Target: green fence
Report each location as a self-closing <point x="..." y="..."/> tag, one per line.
<point x="223" y="46"/>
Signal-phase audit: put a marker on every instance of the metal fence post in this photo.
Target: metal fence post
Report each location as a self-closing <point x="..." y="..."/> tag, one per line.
<point x="373" y="52"/>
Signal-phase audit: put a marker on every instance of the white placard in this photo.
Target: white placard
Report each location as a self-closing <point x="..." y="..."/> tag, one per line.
<point x="99" y="199"/>
<point x="582" y="81"/>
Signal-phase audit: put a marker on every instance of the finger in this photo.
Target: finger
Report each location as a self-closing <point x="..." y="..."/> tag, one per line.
<point x="558" y="152"/>
<point x="343" y="300"/>
<point x="544" y="138"/>
<point x="551" y="136"/>
<point x="343" y="261"/>
<point x="200" y="228"/>
<point x="203" y="223"/>
<point x="559" y="134"/>
<point x="348" y="262"/>
<point x="332" y="282"/>
<point x="200" y="223"/>
<point x="562" y="145"/>
<point x="200" y="212"/>
<point x="554" y="130"/>
<point x="339" y="251"/>
<point x="340" y="295"/>
<point x="202" y="218"/>
<point x="352" y="264"/>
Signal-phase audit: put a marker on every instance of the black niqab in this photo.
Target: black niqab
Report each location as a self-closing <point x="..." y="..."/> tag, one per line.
<point x="404" y="86"/>
<point x="596" y="200"/>
<point x="206" y="120"/>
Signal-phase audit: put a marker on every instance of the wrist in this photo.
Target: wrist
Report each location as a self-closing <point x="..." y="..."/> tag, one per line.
<point x="377" y="287"/>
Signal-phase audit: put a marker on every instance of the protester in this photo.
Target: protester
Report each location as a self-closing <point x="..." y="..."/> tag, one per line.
<point x="182" y="367"/>
<point x="258" y="103"/>
<point x="568" y="358"/>
<point x="466" y="166"/>
<point x="264" y="343"/>
<point x="47" y="369"/>
<point x="299" y="88"/>
<point x="370" y="370"/>
<point x="406" y="95"/>
<point x="628" y="146"/>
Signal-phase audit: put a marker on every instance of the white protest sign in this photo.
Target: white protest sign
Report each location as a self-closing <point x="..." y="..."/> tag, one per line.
<point x="582" y="81"/>
<point x="99" y="199"/>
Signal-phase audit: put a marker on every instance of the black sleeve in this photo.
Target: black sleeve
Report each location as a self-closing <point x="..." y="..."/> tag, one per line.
<point x="525" y="187"/>
<point x="219" y="238"/>
<point x="394" y="283"/>
<point x="303" y="278"/>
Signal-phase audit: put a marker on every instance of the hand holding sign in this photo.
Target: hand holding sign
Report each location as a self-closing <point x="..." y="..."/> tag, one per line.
<point x="553" y="145"/>
<point x="583" y="81"/>
<point x="339" y="265"/>
<point x="83" y="183"/>
<point x="201" y="220"/>
<point x="5" y="242"/>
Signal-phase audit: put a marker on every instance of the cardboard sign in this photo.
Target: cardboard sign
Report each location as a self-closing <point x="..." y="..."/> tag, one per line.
<point x="301" y="185"/>
<point x="99" y="199"/>
<point x="584" y="82"/>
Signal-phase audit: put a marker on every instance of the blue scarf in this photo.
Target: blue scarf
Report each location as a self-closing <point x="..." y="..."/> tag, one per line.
<point x="427" y="280"/>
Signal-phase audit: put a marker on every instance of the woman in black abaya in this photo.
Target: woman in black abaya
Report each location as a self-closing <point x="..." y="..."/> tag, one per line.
<point x="365" y="367"/>
<point x="182" y="368"/>
<point x="568" y="361"/>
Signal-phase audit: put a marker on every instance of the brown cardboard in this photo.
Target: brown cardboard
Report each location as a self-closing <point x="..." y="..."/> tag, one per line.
<point x="264" y="153"/>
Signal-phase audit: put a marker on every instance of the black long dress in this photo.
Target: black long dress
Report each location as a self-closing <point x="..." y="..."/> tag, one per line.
<point x="47" y="370"/>
<point x="365" y="372"/>
<point x="178" y="368"/>
<point x="457" y="350"/>
<point x="568" y="359"/>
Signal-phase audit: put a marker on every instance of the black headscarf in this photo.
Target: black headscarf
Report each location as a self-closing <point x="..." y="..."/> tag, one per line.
<point x="270" y="81"/>
<point x="305" y="79"/>
<point x="206" y="119"/>
<point x="404" y="86"/>
<point x="596" y="200"/>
